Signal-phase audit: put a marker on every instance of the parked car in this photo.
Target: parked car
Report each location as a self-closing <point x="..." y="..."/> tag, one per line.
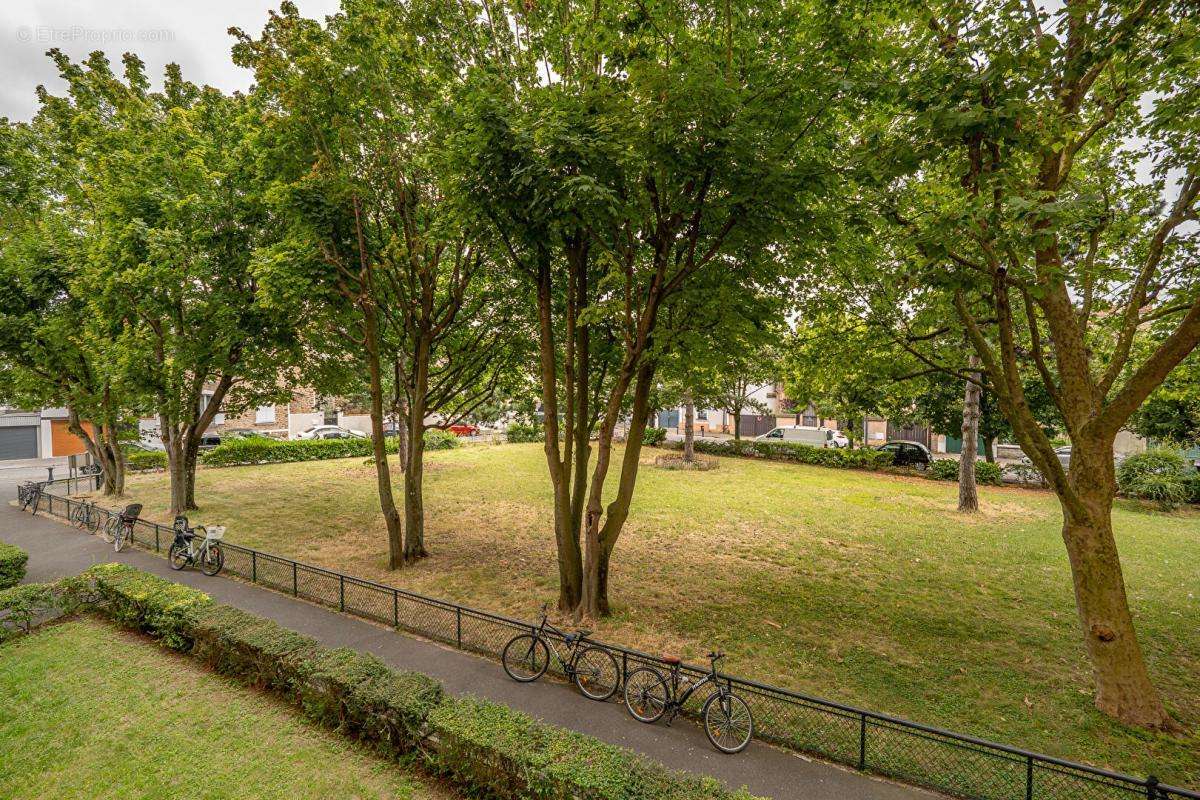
<point x="330" y="432"/>
<point x="209" y="440"/>
<point x="803" y="434"/>
<point x="464" y="429"/>
<point x="1064" y="457"/>
<point x="908" y="454"/>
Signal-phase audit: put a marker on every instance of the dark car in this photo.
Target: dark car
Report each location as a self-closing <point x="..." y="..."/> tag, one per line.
<point x="908" y="454"/>
<point x="209" y="440"/>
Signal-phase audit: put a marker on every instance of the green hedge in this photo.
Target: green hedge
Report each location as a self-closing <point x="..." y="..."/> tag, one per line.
<point x="141" y="460"/>
<point x="261" y="450"/>
<point x="1161" y="475"/>
<point x="12" y="565"/>
<point x="438" y="439"/>
<point x="521" y="432"/>
<point x="506" y="754"/>
<point x="946" y="469"/>
<point x="23" y="605"/>
<point x="653" y="437"/>
<point x="145" y="602"/>
<point x="793" y="452"/>
<point x="486" y="748"/>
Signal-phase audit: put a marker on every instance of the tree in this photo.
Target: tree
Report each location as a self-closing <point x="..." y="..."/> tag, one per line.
<point x="169" y="270"/>
<point x="968" y="494"/>
<point x="52" y="352"/>
<point x="1018" y="204"/>
<point x="619" y="176"/>
<point x="740" y="368"/>
<point x="1172" y="411"/>
<point x="359" y="142"/>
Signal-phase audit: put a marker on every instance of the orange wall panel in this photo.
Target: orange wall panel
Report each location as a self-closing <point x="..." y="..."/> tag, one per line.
<point x="65" y="443"/>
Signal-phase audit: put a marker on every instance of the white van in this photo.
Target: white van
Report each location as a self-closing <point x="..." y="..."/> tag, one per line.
<point x="800" y="434"/>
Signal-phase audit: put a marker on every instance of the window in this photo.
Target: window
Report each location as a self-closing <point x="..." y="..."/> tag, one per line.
<point x="702" y="414"/>
<point x="265" y="415"/>
<point x="331" y="416"/>
<point x="205" y="399"/>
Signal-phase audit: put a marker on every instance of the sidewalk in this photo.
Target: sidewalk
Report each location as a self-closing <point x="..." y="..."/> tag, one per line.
<point x="56" y="550"/>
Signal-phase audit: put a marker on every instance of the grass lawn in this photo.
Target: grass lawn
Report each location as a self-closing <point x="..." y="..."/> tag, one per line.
<point x="89" y="711"/>
<point x="864" y="588"/>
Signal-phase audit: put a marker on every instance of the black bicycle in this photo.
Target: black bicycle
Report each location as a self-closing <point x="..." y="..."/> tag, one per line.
<point x="118" y="531"/>
<point x="594" y="670"/>
<point x="649" y="695"/>
<point x="29" y="495"/>
<point x="85" y="516"/>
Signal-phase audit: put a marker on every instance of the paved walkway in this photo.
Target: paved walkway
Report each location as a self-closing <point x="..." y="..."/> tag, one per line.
<point x="56" y="550"/>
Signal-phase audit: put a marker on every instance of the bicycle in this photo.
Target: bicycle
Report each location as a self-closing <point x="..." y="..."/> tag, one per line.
<point x="118" y="531"/>
<point x="85" y="516"/>
<point x="184" y="550"/>
<point x="29" y="494"/>
<point x="526" y="657"/>
<point x="728" y="723"/>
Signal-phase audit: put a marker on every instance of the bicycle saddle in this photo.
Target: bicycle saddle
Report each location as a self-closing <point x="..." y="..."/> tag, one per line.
<point x="672" y="660"/>
<point x="576" y="636"/>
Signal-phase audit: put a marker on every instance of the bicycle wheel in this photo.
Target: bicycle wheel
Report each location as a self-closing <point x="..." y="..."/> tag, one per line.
<point x="122" y="536"/>
<point x="596" y="673"/>
<point x="93" y="520"/>
<point x="109" y="534"/>
<point x="177" y="556"/>
<point x="213" y="560"/>
<point x="526" y="658"/>
<point x="728" y="723"/>
<point x="646" y="694"/>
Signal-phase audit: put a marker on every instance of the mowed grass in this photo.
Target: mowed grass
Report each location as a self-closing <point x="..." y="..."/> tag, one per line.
<point x="868" y="589"/>
<point x="88" y="711"/>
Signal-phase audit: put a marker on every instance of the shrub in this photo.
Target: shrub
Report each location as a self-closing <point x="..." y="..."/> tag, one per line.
<point x="12" y="565"/>
<point x="653" y="437"/>
<point x="438" y="439"/>
<point x="22" y="605"/>
<point x="943" y="469"/>
<point x="1193" y="484"/>
<point x="792" y="451"/>
<point x="249" y="647"/>
<point x="505" y="754"/>
<point x="522" y="432"/>
<point x="946" y="469"/>
<point x="145" y="602"/>
<point x="260" y="450"/>
<point x="1159" y="475"/>
<point x="142" y="460"/>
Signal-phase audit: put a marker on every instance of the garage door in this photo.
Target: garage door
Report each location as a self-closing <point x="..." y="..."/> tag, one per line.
<point x="18" y="442"/>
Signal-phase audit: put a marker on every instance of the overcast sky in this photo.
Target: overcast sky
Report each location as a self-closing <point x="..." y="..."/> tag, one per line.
<point x="189" y="32"/>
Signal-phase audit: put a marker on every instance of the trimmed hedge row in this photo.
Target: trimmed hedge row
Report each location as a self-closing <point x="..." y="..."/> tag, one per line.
<point x="946" y="469"/>
<point x="486" y="748"/>
<point x="261" y="450"/>
<point x="142" y="460"/>
<point x="791" y="451"/>
<point x="12" y="565"/>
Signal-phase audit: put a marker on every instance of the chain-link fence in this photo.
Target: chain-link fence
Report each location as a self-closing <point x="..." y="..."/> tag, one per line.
<point x="922" y="755"/>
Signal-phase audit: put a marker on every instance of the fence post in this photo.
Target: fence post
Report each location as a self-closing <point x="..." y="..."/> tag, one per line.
<point x="294" y="591"/>
<point x="1152" y="787"/>
<point x="458" y="625"/>
<point x="624" y="666"/>
<point x="341" y="592"/>
<point x="156" y="542"/>
<point x="862" y="742"/>
<point x="254" y="566"/>
<point x="395" y="609"/>
<point x="1029" y="778"/>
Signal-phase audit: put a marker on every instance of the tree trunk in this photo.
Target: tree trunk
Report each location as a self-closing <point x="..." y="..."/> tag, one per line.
<point x="989" y="449"/>
<point x="383" y="476"/>
<point x="689" y="426"/>
<point x="414" y="499"/>
<point x="968" y="493"/>
<point x="101" y="452"/>
<point x="173" y="442"/>
<point x="191" y="455"/>
<point x="737" y="425"/>
<point x="1123" y="686"/>
<point x="600" y="541"/>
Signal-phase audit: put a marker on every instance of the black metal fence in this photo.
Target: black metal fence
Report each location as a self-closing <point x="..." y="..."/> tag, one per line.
<point x="922" y="755"/>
